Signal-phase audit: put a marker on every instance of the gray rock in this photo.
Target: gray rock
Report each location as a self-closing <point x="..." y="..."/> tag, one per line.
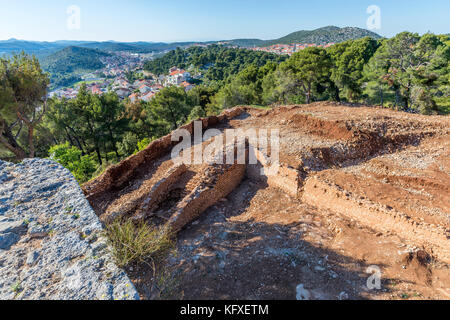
<point x="32" y="257"/>
<point x="39" y="199"/>
<point x="319" y="268"/>
<point x="11" y="226"/>
<point x="4" y="176"/>
<point x="36" y="231"/>
<point x="7" y="240"/>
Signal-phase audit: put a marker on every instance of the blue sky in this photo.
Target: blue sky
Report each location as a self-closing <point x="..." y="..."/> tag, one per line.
<point x="200" y="20"/>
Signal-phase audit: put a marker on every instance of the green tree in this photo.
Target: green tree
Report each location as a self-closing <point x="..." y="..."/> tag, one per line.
<point x="23" y="91"/>
<point x="413" y="67"/>
<point x="217" y="63"/>
<point x="246" y="88"/>
<point x="143" y="144"/>
<point x="64" y="125"/>
<point x="201" y="95"/>
<point x="349" y="59"/>
<point x="129" y="144"/>
<point x="280" y="87"/>
<point x="91" y="123"/>
<point x="308" y="67"/>
<point x="196" y="113"/>
<point x="138" y="119"/>
<point x="88" y="110"/>
<point x="169" y="108"/>
<point x="112" y="122"/>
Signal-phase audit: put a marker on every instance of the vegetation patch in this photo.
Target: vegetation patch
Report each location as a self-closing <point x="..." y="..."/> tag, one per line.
<point x="134" y="243"/>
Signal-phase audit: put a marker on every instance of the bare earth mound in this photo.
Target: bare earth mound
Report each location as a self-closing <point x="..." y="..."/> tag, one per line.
<point x="358" y="187"/>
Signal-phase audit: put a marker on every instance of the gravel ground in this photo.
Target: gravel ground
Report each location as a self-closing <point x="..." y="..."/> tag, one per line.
<point x="51" y="244"/>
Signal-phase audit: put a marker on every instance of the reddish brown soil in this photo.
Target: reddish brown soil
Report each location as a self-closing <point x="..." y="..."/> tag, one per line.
<point x="359" y="187"/>
<point x="334" y="130"/>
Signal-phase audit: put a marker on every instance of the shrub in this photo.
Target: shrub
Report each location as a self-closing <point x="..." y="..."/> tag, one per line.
<point x="143" y="144"/>
<point x="132" y="243"/>
<point x="128" y="144"/>
<point x="82" y="167"/>
<point x="196" y="113"/>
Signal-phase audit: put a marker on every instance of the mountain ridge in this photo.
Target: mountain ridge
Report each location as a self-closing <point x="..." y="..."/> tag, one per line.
<point x="322" y="35"/>
<point x="44" y="48"/>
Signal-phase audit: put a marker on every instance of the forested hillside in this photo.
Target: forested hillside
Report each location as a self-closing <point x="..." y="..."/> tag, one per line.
<point x="319" y="36"/>
<point x="220" y="62"/>
<point x="73" y="59"/>
<point x="65" y="65"/>
<point x="327" y="35"/>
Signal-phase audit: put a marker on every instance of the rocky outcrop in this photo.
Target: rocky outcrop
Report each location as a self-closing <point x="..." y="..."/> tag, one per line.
<point x="51" y="243"/>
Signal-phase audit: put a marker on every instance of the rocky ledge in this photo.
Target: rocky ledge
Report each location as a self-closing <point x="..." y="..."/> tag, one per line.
<point x="51" y="242"/>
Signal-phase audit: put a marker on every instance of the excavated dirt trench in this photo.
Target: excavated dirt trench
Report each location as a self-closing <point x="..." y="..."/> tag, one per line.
<point x="347" y="175"/>
<point x="149" y="185"/>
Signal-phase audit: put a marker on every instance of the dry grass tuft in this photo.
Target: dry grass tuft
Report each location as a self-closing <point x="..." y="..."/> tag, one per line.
<point x="140" y="242"/>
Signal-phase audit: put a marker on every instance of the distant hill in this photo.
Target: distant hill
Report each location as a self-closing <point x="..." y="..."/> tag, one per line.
<point x="14" y="45"/>
<point x="73" y="59"/>
<point x="138" y="47"/>
<point x="37" y="48"/>
<point x="31" y="47"/>
<point x="44" y="49"/>
<point x="66" y="65"/>
<point x="318" y="36"/>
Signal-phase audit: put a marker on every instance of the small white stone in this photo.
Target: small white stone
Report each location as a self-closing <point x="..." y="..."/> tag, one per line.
<point x="343" y="296"/>
<point x="318" y="268"/>
<point x="302" y="293"/>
